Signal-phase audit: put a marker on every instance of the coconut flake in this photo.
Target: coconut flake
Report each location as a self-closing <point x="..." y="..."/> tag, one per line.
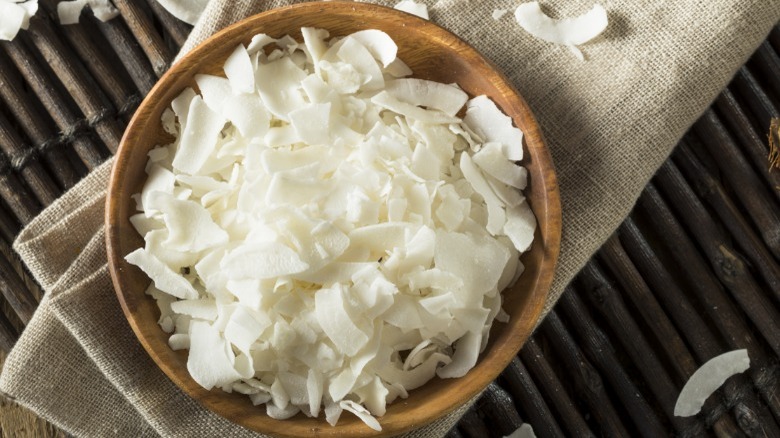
<point x="209" y="361"/>
<point x="524" y="431"/>
<point x="446" y="98"/>
<point x="361" y="413"/>
<point x="570" y="32"/>
<point x="163" y="277"/>
<point x="414" y="8"/>
<point x="708" y="378"/>
<point x="15" y="16"/>
<point x="309" y="225"/>
<point x="68" y="12"/>
<point x="239" y="70"/>
<point x="520" y="226"/>
<point x="498" y="14"/>
<point x="487" y="121"/>
<point x="188" y="11"/>
<point x="103" y="9"/>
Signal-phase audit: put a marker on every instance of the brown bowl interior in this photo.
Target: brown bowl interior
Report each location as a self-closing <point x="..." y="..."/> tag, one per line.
<point x="432" y="53"/>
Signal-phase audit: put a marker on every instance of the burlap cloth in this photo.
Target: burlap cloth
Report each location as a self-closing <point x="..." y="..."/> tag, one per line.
<point x="609" y="122"/>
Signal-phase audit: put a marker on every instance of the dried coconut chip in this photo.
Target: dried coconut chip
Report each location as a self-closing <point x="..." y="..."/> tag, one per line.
<point x="708" y="378"/>
<point x="524" y="431"/>
<point x="69" y="12"/>
<point x="570" y="32"/>
<point x="14" y="16"/>
<point x="188" y="11"/>
<point x="308" y="226"/>
<point x="414" y="8"/>
<point x="499" y="14"/>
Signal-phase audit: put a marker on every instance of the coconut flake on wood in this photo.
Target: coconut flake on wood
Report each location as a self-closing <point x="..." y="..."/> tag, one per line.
<point x="707" y="379"/>
<point x="570" y="32"/>
<point x="414" y="8"/>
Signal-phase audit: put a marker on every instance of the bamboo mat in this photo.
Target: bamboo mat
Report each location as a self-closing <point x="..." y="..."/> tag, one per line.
<point x="692" y="273"/>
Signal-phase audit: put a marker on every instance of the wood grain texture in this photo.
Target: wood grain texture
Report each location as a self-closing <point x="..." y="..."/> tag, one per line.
<point x="432" y="53"/>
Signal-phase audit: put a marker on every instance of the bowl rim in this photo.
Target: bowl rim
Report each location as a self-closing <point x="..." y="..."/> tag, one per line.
<point x="252" y="25"/>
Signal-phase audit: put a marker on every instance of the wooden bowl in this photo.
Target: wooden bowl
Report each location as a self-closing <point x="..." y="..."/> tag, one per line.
<point x="432" y="53"/>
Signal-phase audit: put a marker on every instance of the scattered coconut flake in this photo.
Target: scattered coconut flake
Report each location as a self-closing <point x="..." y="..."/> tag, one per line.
<point x="240" y="72"/>
<point x="570" y="32"/>
<point x="499" y="14"/>
<point x="414" y="8"/>
<point x="491" y="125"/>
<point x="524" y="431"/>
<point x="103" y="9"/>
<point x="307" y="227"/>
<point x="188" y="11"/>
<point x="69" y="12"/>
<point x="708" y="378"/>
<point x="14" y="16"/>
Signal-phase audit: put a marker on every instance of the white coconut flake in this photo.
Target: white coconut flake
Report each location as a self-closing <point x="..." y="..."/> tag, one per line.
<point x="414" y="8"/>
<point x="487" y="121"/>
<point x="103" y="9"/>
<point x="240" y="72"/>
<point x="498" y="14"/>
<point x="14" y="16"/>
<point x="316" y="219"/>
<point x="524" y="431"/>
<point x="570" y="32"/>
<point x="188" y="11"/>
<point x="707" y="379"/>
<point x="69" y="12"/>
<point x="419" y="92"/>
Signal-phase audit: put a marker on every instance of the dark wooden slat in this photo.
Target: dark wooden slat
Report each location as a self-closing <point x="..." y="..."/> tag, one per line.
<point x="754" y="145"/>
<point x="526" y="394"/>
<point x="176" y="29"/>
<point x="704" y="285"/>
<point x="571" y="420"/>
<point x="709" y="189"/>
<point x="774" y="38"/>
<point x="70" y="122"/>
<point x="767" y="62"/>
<point x="587" y="381"/>
<point x="102" y="62"/>
<point x="748" y="87"/>
<point x="20" y="201"/>
<point x="454" y="433"/>
<point x="81" y="86"/>
<point x="596" y="289"/>
<point x="751" y="192"/>
<point x="37" y="127"/>
<point x="8" y="334"/>
<point x="472" y="426"/>
<point x="499" y="408"/>
<point x="725" y="260"/>
<point x="601" y="353"/>
<point x="633" y="285"/>
<point x="15" y="292"/>
<point x="9" y="225"/>
<point x="151" y="42"/>
<point x="31" y="171"/>
<point x="128" y="50"/>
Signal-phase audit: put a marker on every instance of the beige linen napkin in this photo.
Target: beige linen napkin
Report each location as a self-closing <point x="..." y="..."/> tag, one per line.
<point x="609" y="122"/>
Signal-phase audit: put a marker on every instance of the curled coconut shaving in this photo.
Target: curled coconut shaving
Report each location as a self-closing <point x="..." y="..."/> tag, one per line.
<point x="14" y="16"/>
<point x="188" y="11"/>
<point x="570" y="32"/>
<point x="326" y="235"/>
<point x="708" y="378"/>
<point x="414" y="8"/>
<point x="69" y="12"/>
